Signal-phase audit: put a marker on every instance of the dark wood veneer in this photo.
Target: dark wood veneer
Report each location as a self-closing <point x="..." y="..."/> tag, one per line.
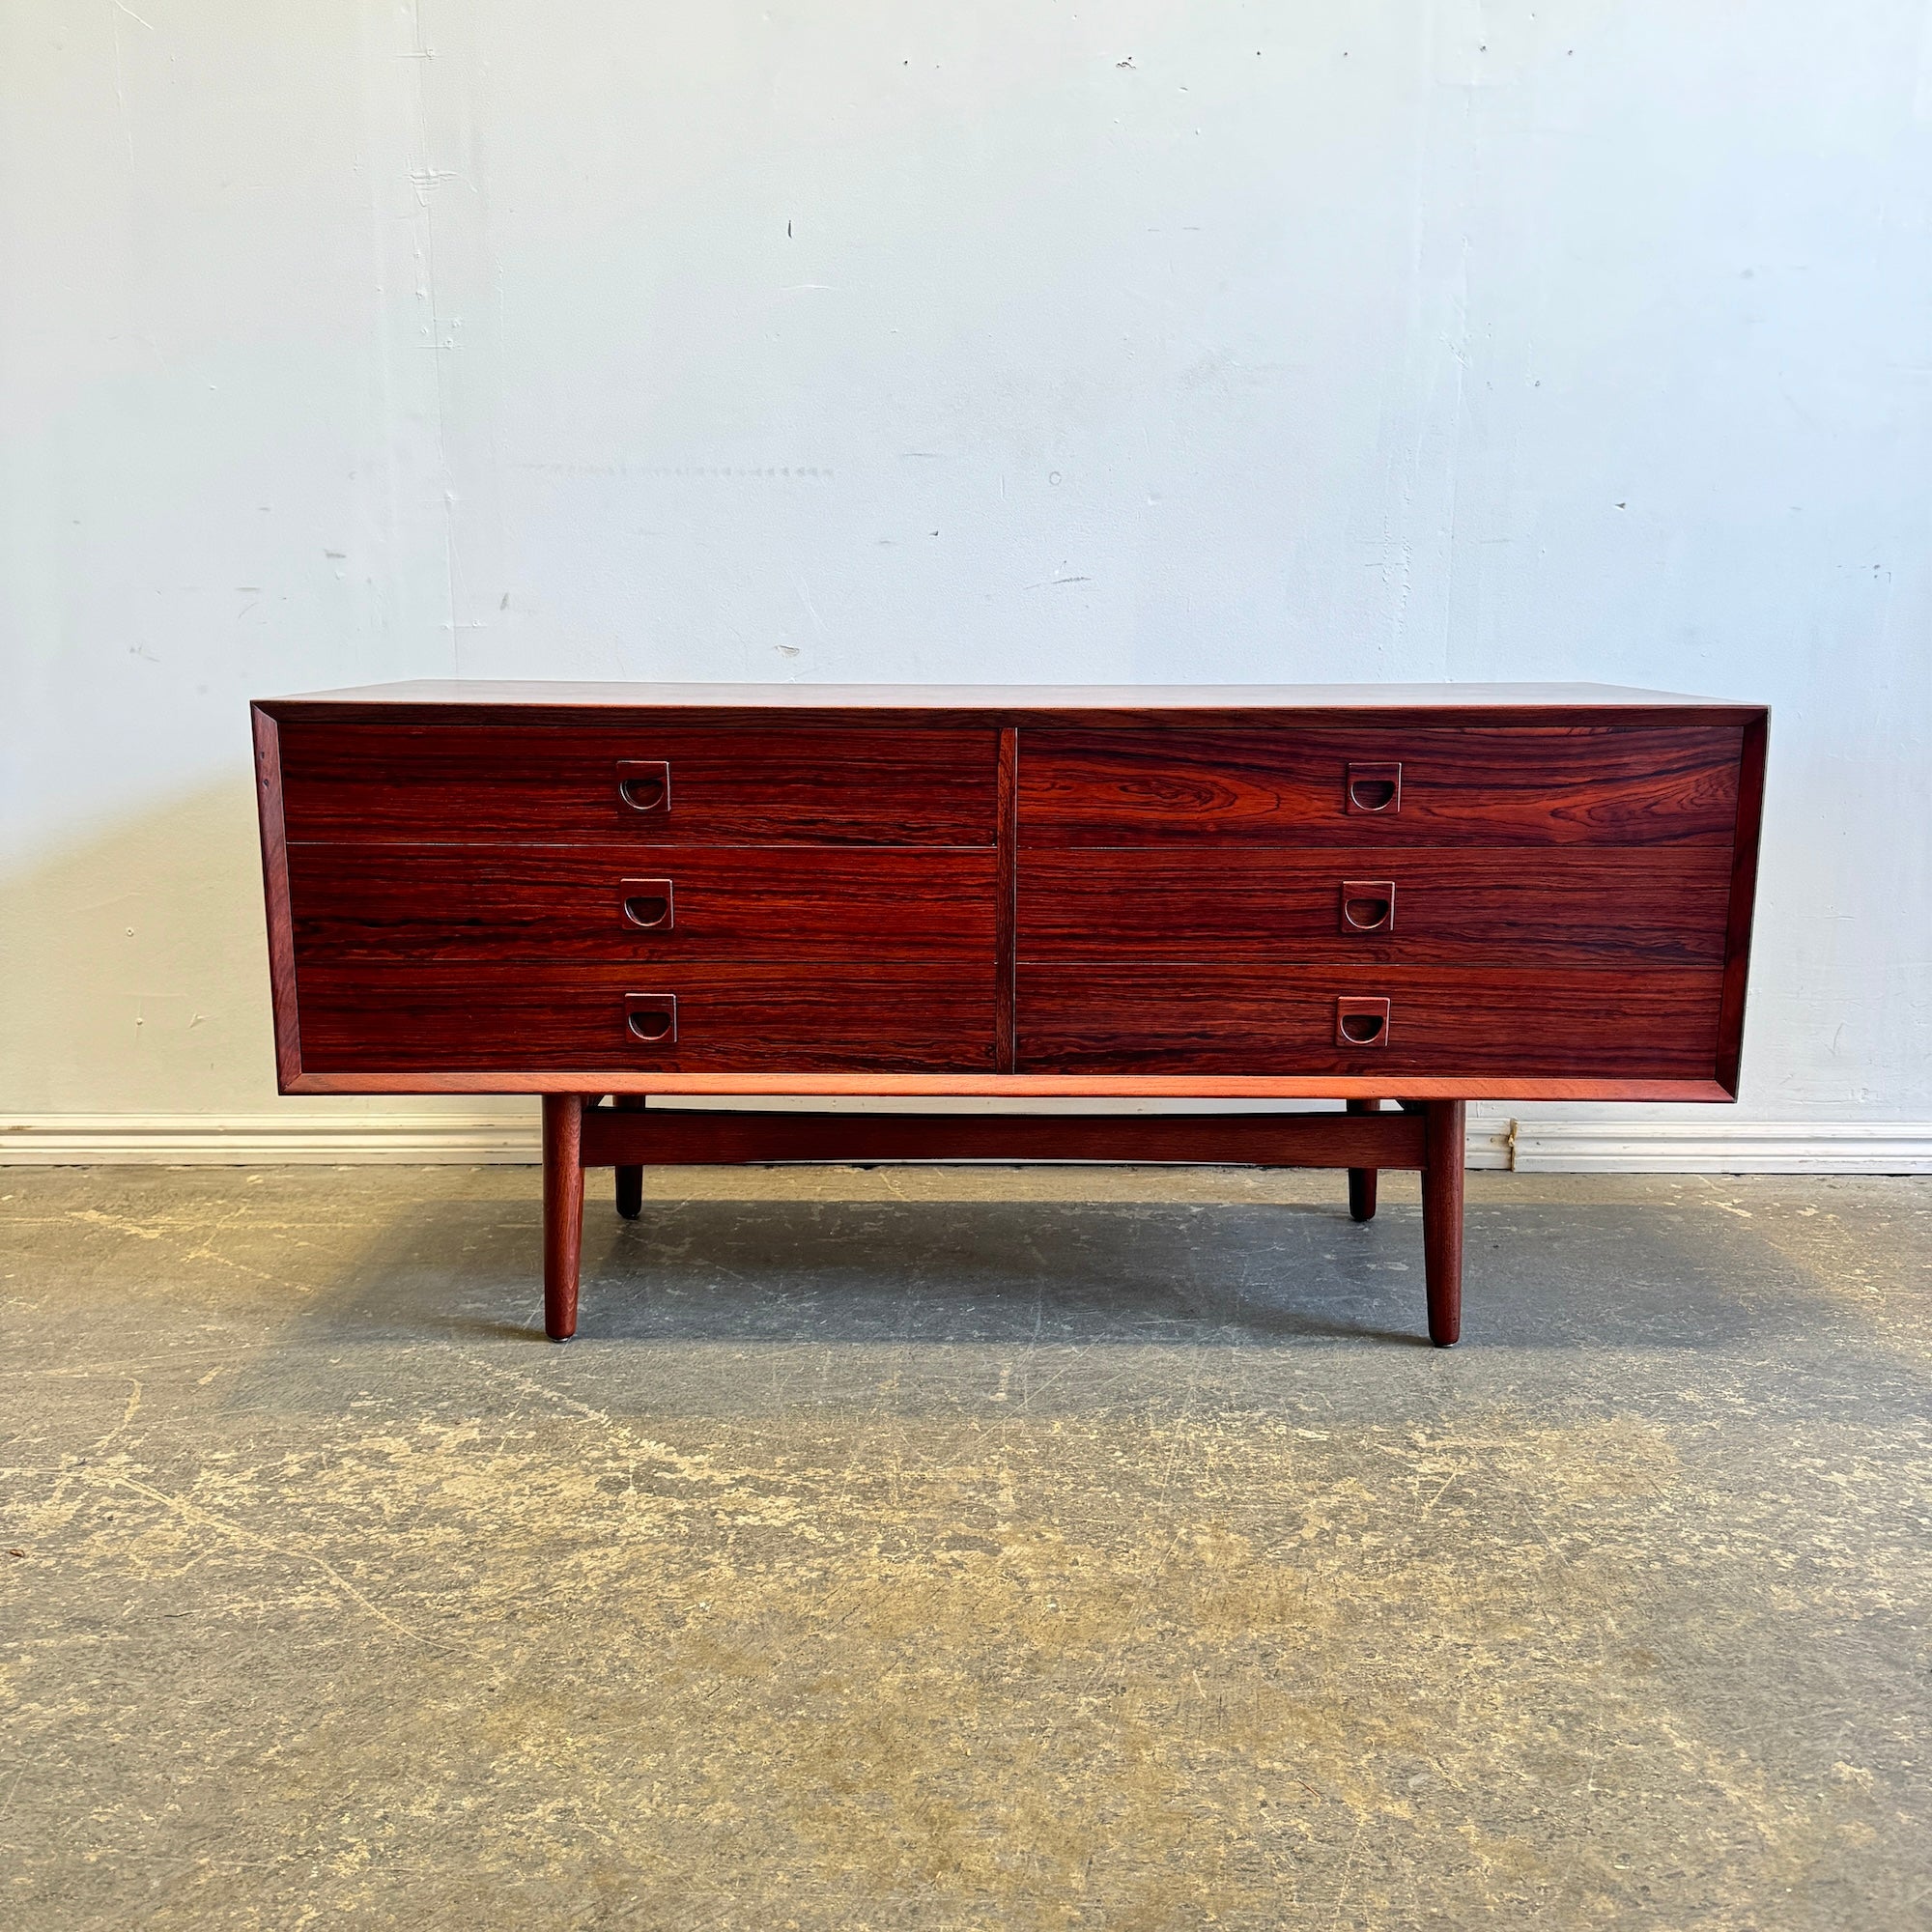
<point x="1362" y="1179"/>
<point x="810" y="784"/>
<point x="731" y="1016"/>
<point x="955" y="1083"/>
<point x="1440" y="893"/>
<point x="1164" y="1017"/>
<point x="1536" y="785"/>
<point x="669" y="1137"/>
<point x="1453" y="905"/>
<point x="562" y="1210"/>
<point x="558" y="904"/>
<point x="1443" y="1168"/>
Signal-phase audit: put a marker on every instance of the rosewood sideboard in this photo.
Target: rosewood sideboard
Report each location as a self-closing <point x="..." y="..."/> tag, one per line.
<point x="1424" y="895"/>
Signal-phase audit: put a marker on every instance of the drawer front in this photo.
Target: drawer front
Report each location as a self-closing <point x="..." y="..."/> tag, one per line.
<point x="1573" y="906"/>
<point x="453" y="903"/>
<point x="605" y="1020"/>
<point x="1170" y="1018"/>
<point x="638" y="784"/>
<point x="1374" y="784"/>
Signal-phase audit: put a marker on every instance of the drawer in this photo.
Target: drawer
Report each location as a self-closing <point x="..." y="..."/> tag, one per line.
<point x="1566" y="906"/>
<point x="603" y="1020"/>
<point x="1165" y="1017"/>
<point x="560" y="903"/>
<point x="1377" y="784"/>
<point x="636" y="784"/>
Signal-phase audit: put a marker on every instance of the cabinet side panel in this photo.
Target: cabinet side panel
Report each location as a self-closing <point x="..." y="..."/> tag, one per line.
<point x="1743" y="901"/>
<point x="275" y="897"/>
<point x="1006" y="894"/>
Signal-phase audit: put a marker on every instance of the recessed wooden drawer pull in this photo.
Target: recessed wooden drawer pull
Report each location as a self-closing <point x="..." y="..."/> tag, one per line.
<point x="647" y="902"/>
<point x="644" y="783"/>
<point x="1368" y="905"/>
<point x="1361" y="1022"/>
<point x="1375" y="789"/>
<point x="652" y="1018"/>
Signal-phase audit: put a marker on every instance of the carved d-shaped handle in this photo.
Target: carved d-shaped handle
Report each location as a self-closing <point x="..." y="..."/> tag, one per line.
<point x="647" y="903"/>
<point x="1361" y="1022"/>
<point x="1368" y="905"/>
<point x="652" y="1018"/>
<point x="644" y="783"/>
<point x="1374" y="789"/>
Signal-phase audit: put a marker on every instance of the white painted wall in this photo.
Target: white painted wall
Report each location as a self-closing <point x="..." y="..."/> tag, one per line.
<point x="1380" y="338"/>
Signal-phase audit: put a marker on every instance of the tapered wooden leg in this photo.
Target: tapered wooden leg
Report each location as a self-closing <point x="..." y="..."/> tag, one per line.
<point x="630" y="1180"/>
<point x="1442" y="1220"/>
<point x="563" y="1211"/>
<point x="1362" y="1179"/>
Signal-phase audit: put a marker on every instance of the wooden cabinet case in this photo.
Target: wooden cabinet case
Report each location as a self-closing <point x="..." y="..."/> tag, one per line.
<point x="1431" y="894"/>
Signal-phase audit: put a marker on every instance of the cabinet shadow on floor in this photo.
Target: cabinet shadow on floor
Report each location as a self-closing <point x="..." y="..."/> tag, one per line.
<point x="802" y="1271"/>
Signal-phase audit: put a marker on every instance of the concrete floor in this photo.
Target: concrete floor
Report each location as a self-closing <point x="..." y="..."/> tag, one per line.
<point x="963" y="1547"/>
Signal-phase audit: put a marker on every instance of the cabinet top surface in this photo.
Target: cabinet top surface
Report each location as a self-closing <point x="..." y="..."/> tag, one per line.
<point x="430" y="693"/>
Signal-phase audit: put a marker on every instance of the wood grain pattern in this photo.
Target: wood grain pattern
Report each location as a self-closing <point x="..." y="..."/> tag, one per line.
<point x="808" y="784"/>
<point x="1160" y="1017"/>
<point x="567" y="903"/>
<point x="737" y="1016"/>
<point x="665" y="1136"/>
<point x="1267" y="784"/>
<point x="282" y="991"/>
<point x="1557" y="906"/>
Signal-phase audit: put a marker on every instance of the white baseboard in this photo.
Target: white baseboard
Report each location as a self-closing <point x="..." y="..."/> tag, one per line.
<point x="508" y="1135"/>
<point x="1722" y="1147"/>
<point x="474" y="1137"/>
<point x="470" y="1138"/>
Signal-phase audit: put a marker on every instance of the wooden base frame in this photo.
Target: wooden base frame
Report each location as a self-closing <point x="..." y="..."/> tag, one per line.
<point x="1424" y="1136"/>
